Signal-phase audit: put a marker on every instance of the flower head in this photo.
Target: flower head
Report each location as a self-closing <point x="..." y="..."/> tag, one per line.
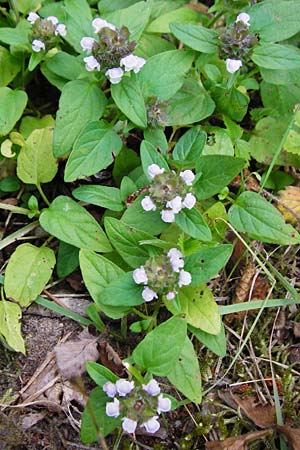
<point x="164" y="404"/>
<point x="38" y="45"/>
<point x="98" y="24"/>
<point x="148" y="294"/>
<point x="154" y="170"/>
<point x="91" y="63"/>
<point x="32" y="17"/>
<point x="152" y="425"/>
<point x="112" y="409"/>
<point x="185" y="278"/>
<point x="233" y="65"/>
<point x="129" y="425"/>
<point x="152" y="388"/>
<point x="148" y="204"/>
<point x="189" y="201"/>
<point x="140" y="275"/>
<point x="124" y="387"/>
<point x="243" y="17"/>
<point x="132" y="62"/>
<point x="188" y="177"/>
<point x="110" y="389"/>
<point x="115" y="75"/>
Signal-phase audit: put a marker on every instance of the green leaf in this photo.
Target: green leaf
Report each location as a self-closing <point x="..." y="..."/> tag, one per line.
<point x="28" y="271"/>
<point x="36" y="163"/>
<point x="67" y="259"/>
<point x="29" y="124"/>
<point x="166" y="83"/>
<point x="12" y="105"/>
<point x="216" y="171"/>
<point x="185" y="374"/>
<point x="280" y="76"/>
<point x="93" y="150"/>
<point x="214" y="342"/>
<point x="157" y="138"/>
<point x="189" y="105"/>
<point x="135" y="18"/>
<point x="190" y="145"/>
<point x="280" y="98"/>
<point x="207" y="262"/>
<point x="128" y="97"/>
<point x="191" y="222"/>
<point x="254" y="215"/>
<point x="71" y="223"/>
<point x="181" y="15"/>
<point x="122" y="292"/>
<point x="10" y="327"/>
<point x="276" y="56"/>
<point x="78" y="22"/>
<point x="66" y="67"/>
<point x="148" y="221"/>
<point x="107" y="6"/>
<point x="196" y="37"/>
<point x="16" y="36"/>
<point x="126" y="241"/>
<point x="232" y="103"/>
<point x="95" y="412"/>
<point x="160" y="349"/>
<point x="10" y="66"/>
<point x="275" y="20"/>
<point x="200" y="308"/>
<point x="149" y="155"/>
<point x="127" y="188"/>
<point x="150" y="45"/>
<point x="218" y="143"/>
<point x="104" y="196"/>
<point x="80" y="103"/>
<point x="100" y="374"/>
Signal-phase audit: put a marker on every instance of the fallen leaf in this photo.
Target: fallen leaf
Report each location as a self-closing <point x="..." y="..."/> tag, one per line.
<point x="110" y="359"/>
<point x="31" y="419"/>
<point x="290" y="204"/>
<point x="237" y="442"/>
<point x="292" y="435"/>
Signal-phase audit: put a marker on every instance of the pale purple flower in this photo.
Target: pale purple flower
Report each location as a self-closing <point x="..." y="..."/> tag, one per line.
<point x="110" y="389"/>
<point x="185" y="278"/>
<point x="233" y="65"/>
<point x="140" y="275"/>
<point x="98" y="24"/>
<point x="187" y="176"/>
<point x="152" y="425"/>
<point x="189" y="201"/>
<point x="175" y="204"/>
<point x="52" y="19"/>
<point x="37" y="45"/>
<point x="164" y="404"/>
<point x="243" y="17"/>
<point x="87" y="43"/>
<point x="91" y="63"/>
<point x="176" y="264"/>
<point x="124" y="387"/>
<point x="60" y="30"/>
<point x="154" y="170"/>
<point x="174" y="253"/>
<point x="129" y="425"/>
<point x="171" y="295"/>
<point x="115" y="75"/>
<point x="32" y="17"/>
<point x="132" y="62"/>
<point x="148" y="295"/>
<point x="148" y="204"/>
<point x="152" y="388"/>
<point x="112" y="409"/>
<point x="167" y="216"/>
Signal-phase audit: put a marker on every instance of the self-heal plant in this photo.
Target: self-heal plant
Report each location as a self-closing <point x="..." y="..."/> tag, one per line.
<point x="136" y="405"/>
<point x="169" y="192"/>
<point x="162" y="275"/>
<point x="45" y="33"/>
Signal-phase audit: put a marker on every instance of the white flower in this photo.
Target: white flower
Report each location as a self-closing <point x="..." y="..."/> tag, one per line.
<point x="132" y="62"/>
<point x="98" y="24"/>
<point x="87" y="43"/>
<point x="171" y="295"/>
<point x="152" y="425"/>
<point x="185" y="278"/>
<point x="175" y="204"/>
<point x="140" y="275"/>
<point x="91" y="63"/>
<point x="32" y="17"/>
<point x="37" y="45"/>
<point x="148" y="204"/>
<point x="124" y="387"/>
<point x="176" y="264"/>
<point x="115" y="75"/>
<point x="112" y="409"/>
<point x="52" y="19"/>
<point x="167" y="216"/>
<point x="243" y="17"/>
<point x="148" y="295"/>
<point x="174" y="253"/>
<point x="129" y="425"/>
<point x="164" y="404"/>
<point x="110" y="389"/>
<point x="154" y="170"/>
<point x="152" y="388"/>
<point x="187" y="176"/>
<point x="232" y="65"/>
<point x="189" y="201"/>
<point x="60" y="30"/>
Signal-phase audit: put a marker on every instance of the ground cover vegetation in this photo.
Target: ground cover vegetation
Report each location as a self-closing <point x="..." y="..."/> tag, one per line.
<point x="149" y="167"/>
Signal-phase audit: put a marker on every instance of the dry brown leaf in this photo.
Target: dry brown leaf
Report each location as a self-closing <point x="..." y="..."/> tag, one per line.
<point x="297" y="330"/>
<point x="32" y="419"/>
<point x="72" y="356"/>
<point x="243" y="288"/>
<point x="110" y="359"/>
<point x="237" y="442"/>
<point x="290" y="204"/>
<point x="292" y="435"/>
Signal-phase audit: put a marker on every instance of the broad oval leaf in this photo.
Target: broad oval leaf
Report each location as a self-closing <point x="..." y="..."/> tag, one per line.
<point x="135" y="18"/>
<point x="276" y="56"/>
<point x="122" y="292"/>
<point x="196" y="37"/>
<point x="191" y="222"/>
<point x="253" y="214"/>
<point x="148" y="221"/>
<point x="10" y="66"/>
<point x="160" y="349"/>
<point x="71" y="223"/>
<point x="104" y="196"/>
<point x="214" y="342"/>
<point x="182" y="15"/>
<point x="28" y="271"/>
<point x="12" y="105"/>
<point x="190" y="145"/>
<point x="10" y="326"/>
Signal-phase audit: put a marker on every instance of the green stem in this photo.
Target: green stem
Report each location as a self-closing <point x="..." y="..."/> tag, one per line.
<point x="14" y="209"/>
<point x="140" y="314"/>
<point x="39" y="188"/>
<point x="17" y="234"/>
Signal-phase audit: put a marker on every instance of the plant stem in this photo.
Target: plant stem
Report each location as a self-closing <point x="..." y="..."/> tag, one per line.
<point x="18" y="234"/>
<point x="39" y="188"/>
<point x="14" y="209"/>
